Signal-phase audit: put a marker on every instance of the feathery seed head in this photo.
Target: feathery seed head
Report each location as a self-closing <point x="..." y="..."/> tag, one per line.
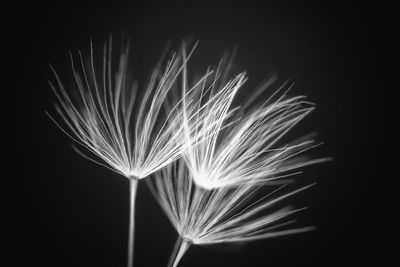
<point x="134" y="138"/>
<point x="223" y="214"/>
<point x="241" y="146"/>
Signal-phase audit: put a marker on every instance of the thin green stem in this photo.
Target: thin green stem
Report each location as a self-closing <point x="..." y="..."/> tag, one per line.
<point x="133" y="182"/>
<point x="180" y="248"/>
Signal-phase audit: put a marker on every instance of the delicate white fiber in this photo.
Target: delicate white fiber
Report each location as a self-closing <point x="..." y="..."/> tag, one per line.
<point x="241" y="146"/>
<point x="225" y="214"/>
<point x="133" y="136"/>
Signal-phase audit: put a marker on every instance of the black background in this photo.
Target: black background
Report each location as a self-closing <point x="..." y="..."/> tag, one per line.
<point x="62" y="210"/>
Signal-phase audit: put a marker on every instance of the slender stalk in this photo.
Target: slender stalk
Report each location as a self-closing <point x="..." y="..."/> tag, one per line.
<point x="181" y="246"/>
<point x="133" y="182"/>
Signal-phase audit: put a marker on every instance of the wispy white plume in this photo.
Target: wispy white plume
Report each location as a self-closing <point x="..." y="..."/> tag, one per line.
<point x="220" y="215"/>
<point x="243" y="146"/>
<point x="133" y="136"/>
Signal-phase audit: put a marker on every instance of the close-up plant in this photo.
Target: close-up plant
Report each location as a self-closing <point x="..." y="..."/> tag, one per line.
<point x="245" y="134"/>
<point x="228" y="152"/>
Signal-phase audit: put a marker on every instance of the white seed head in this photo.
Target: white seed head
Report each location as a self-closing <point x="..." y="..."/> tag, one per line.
<point x="241" y="146"/>
<point x="134" y="138"/>
<point x="224" y="214"/>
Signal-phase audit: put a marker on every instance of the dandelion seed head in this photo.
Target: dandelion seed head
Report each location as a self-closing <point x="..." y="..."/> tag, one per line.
<point x="134" y="134"/>
<point x="244" y="146"/>
<point x="224" y="214"/>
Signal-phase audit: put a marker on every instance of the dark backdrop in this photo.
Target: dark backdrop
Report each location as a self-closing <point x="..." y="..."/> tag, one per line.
<point x="63" y="210"/>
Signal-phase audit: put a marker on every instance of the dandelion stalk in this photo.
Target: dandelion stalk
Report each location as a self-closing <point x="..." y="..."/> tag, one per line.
<point x="133" y="183"/>
<point x="180" y="248"/>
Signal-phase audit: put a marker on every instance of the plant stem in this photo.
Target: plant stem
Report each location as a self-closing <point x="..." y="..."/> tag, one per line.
<point x="181" y="246"/>
<point x="133" y="182"/>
